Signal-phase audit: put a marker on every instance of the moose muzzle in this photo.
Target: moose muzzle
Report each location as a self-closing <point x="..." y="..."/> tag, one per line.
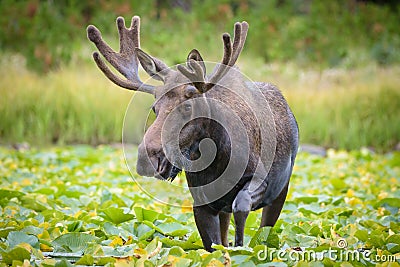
<point x="154" y="164"/>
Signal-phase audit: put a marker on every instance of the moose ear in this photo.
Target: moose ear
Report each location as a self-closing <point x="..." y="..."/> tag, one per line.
<point x="154" y="67"/>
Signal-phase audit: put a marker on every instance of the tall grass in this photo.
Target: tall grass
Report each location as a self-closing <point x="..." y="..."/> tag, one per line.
<point x="341" y="108"/>
<point x="334" y="108"/>
<point x="354" y="115"/>
<point x="74" y="105"/>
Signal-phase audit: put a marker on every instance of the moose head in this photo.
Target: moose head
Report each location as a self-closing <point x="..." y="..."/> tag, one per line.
<point x="189" y="82"/>
<point x="236" y="140"/>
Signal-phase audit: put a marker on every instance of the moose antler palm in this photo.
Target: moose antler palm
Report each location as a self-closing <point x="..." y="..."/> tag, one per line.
<point x="195" y="69"/>
<point x="126" y="61"/>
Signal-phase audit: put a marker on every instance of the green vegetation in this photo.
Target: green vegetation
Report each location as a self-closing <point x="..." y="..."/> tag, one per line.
<point x="71" y="106"/>
<point x="328" y="34"/>
<point x="79" y="204"/>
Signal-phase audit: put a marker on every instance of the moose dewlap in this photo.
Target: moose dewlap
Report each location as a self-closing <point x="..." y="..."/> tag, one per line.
<point x="235" y="139"/>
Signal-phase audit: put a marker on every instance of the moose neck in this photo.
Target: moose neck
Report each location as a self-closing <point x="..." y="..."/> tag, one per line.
<point x="219" y="136"/>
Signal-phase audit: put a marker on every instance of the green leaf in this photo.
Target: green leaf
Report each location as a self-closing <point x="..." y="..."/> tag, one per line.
<point x="294" y="229"/>
<point x="313" y="208"/>
<point x="8" y="194"/>
<point x="362" y="235"/>
<point x="393" y="243"/>
<point x="214" y="255"/>
<point x="193" y="242"/>
<point x="265" y="236"/>
<point x="120" y="251"/>
<point x="104" y="260"/>
<point x="235" y="250"/>
<point x="376" y="239"/>
<point x="194" y="255"/>
<point x="393" y="248"/>
<point x="315" y="231"/>
<point x="145" y="214"/>
<point x="74" y="226"/>
<point x="63" y="263"/>
<point x="394" y="202"/>
<point x="252" y="220"/>
<point x="394" y="239"/>
<point x="152" y="245"/>
<point x="338" y="183"/>
<point x="14" y="238"/>
<point x="180" y="243"/>
<point x="305" y="240"/>
<point x="17" y="253"/>
<point x="176" y="251"/>
<point x="5" y="231"/>
<point x="307" y="199"/>
<point x="29" y="201"/>
<point x="116" y="215"/>
<point x="373" y="225"/>
<point x="32" y="230"/>
<point x="144" y="231"/>
<point x="85" y="260"/>
<point x="74" y="242"/>
<point x="172" y="229"/>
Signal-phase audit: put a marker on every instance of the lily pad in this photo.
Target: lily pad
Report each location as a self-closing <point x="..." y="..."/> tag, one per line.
<point x="73" y="242"/>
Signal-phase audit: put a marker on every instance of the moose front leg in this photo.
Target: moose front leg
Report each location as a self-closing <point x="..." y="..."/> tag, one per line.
<point x="241" y="208"/>
<point x="207" y="222"/>
<point x="224" y="221"/>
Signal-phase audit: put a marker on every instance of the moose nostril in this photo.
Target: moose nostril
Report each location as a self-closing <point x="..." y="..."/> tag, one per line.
<point x="158" y="167"/>
<point x="148" y="162"/>
<point x="161" y="164"/>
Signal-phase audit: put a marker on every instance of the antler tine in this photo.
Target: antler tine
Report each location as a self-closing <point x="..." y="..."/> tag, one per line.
<point x="128" y="36"/>
<point x="117" y="80"/>
<point x="193" y="71"/>
<point x="126" y="61"/>
<point x="238" y="43"/>
<point x="226" y="38"/>
<point x="223" y="67"/>
<point x="135" y="25"/>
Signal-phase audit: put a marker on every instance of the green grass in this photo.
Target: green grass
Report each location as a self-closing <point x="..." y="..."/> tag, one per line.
<point x="348" y="109"/>
<point x="334" y="107"/>
<point x="341" y="108"/>
<point x="79" y="204"/>
<point x="71" y="106"/>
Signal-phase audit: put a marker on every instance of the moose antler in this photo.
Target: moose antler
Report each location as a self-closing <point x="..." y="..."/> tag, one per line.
<point x="195" y="69"/>
<point x="126" y="61"/>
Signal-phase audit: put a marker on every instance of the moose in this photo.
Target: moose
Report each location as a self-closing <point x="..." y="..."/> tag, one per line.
<point x="235" y="140"/>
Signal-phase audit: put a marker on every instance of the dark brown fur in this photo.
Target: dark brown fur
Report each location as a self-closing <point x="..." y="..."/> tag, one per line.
<point x="266" y="122"/>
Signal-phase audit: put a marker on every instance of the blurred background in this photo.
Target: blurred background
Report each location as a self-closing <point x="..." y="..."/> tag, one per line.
<point x="337" y="63"/>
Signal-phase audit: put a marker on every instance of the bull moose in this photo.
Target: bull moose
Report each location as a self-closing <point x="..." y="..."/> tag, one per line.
<point x="236" y="140"/>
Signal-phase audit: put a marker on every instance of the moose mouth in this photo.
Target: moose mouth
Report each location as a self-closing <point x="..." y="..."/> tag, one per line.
<point x="165" y="170"/>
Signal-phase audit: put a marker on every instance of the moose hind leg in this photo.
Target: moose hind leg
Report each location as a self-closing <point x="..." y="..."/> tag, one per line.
<point x="207" y="222"/>
<point x="224" y="221"/>
<point x="271" y="213"/>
